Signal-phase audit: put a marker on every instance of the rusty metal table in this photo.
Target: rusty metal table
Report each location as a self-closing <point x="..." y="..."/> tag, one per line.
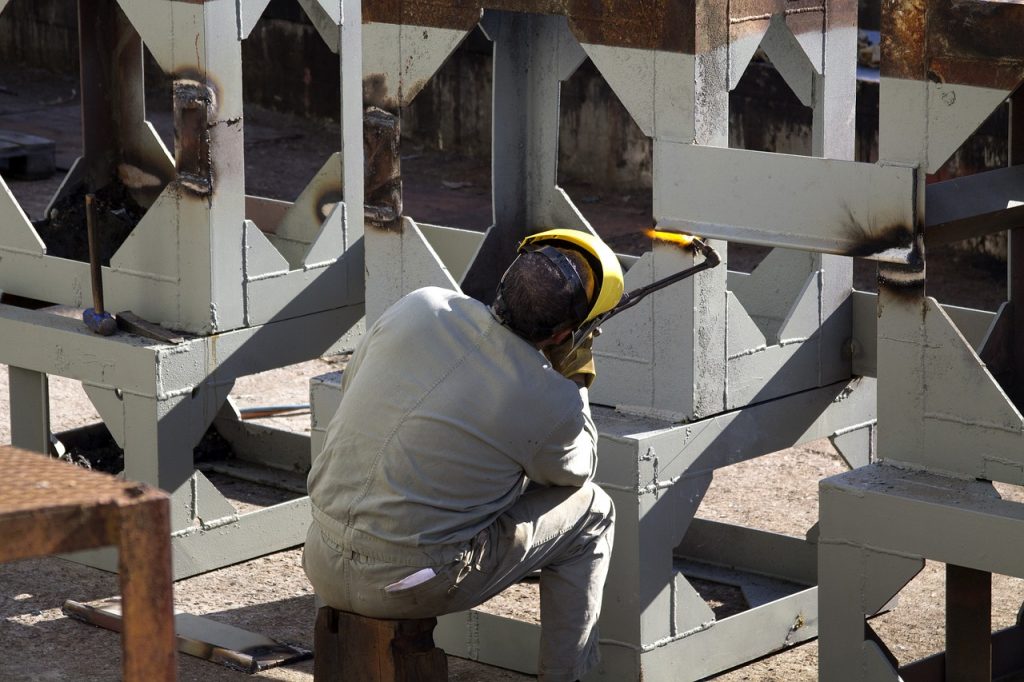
<point x="48" y="506"/>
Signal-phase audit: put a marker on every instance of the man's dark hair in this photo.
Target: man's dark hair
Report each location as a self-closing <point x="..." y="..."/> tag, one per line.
<point x="536" y="300"/>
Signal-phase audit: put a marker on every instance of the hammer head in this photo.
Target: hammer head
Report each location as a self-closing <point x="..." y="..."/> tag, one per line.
<point x="101" y="323"/>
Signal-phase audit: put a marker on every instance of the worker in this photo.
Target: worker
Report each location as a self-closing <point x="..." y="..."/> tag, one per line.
<point x="461" y="457"/>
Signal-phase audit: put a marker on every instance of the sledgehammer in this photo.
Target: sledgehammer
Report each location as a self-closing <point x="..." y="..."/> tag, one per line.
<point x="95" y="318"/>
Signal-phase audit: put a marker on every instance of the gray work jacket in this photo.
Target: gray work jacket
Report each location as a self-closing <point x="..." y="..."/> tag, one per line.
<point x="443" y="413"/>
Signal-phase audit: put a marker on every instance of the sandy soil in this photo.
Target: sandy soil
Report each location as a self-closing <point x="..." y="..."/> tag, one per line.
<point x="270" y="595"/>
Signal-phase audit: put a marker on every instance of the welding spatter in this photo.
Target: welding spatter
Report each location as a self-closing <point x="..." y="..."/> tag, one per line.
<point x="631" y="298"/>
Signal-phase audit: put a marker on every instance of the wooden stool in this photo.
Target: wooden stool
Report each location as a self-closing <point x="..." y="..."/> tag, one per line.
<point x="355" y="648"/>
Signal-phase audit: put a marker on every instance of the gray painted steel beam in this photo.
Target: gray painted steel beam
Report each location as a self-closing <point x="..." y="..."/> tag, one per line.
<point x="825" y="205"/>
<point x="229" y="541"/>
<point x="940" y="518"/>
<point x="968" y="624"/>
<point x="975" y="205"/>
<point x="745" y="636"/>
<point x="533" y="53"/>
<point x="975" y="326"/>
<point x="964" y="424"/>
<point x="737" y="436"/>
<point x="859" y="507"/>
<point x="324" y="400"/>
<point x="270" y="447"/>
<point x="29" y="409"/>
<point x="750" y="550"/>
<point x="496" y="640"/>
<point x="147" y="368"/>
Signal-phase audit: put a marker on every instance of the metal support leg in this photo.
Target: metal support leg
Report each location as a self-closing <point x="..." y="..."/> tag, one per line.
<point x="30" y="410"/>
<point x="840" y="614"/>
<point x="147" y="601"/>
<point x="1015" y="255"/>
<point x="968" y="624"/>
<point x="158" y="441"/>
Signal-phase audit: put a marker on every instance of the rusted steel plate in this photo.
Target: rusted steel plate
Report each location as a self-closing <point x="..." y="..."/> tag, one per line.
<point x="992" y="31"/>
<point x="800" y="14"/>
<point x="33" y="482"/>
<point x="658" y="24"/>
<point x="668" y="25"/>
<point x="456" y="14"/>
<point x="903" y="39"/>
<point x="49" y="506"/>
<point x="976" y="72"/>
<point x="965" y="42"/>
<point x="976" y="43"/>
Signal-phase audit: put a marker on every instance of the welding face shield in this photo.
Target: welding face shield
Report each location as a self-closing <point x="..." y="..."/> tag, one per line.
<point x="585" y="305"/>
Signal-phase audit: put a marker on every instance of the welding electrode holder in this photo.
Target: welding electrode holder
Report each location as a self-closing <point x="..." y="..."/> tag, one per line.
<point x="631" y="298"/>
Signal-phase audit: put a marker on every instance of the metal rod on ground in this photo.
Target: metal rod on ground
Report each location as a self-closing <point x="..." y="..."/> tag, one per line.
<point x="272" y="411"/>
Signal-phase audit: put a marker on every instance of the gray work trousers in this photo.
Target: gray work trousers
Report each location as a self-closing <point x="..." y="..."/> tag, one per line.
<point x="567" y="533"/>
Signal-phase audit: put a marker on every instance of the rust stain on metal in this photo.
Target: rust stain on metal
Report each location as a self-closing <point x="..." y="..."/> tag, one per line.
<point x="983" y="30"/>
<point x="195" y="111"/>
<point x="976" y="72"/>
<point x="455" y="14"/>
<point x="656" y="24"/>
<point x="903" y="39"/>
<point x="954" y="41"/>
<point x="382" y="169"/>
<point x="976" y="43"/>
<point x="667" y="25"/>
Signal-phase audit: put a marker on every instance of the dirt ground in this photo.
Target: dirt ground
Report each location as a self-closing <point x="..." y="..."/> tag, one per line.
<point x="271" y="595"/>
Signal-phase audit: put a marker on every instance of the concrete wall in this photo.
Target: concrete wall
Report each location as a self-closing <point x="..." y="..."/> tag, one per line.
<point x="43" y="33"/>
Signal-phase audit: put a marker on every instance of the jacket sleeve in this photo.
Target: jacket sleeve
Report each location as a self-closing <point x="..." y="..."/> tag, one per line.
<point x="568" y="455"/>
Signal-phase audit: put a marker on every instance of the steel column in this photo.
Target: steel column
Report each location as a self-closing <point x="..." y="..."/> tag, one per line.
<point x="968" y="624"/>
<point x="30" y="409"/>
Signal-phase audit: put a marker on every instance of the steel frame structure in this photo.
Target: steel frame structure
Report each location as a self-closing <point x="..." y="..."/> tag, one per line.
<point x="718" y="369"/>
<point x="949" y="399"/>
<point x="251" y="283"/>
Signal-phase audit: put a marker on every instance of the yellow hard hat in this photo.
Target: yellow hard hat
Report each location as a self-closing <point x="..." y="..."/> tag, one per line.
<point x="607" y="271"/>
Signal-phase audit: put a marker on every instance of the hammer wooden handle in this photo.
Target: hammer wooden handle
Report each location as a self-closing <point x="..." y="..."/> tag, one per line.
<point x="94" y="255"/>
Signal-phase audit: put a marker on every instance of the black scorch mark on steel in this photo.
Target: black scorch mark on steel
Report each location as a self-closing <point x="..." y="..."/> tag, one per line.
<point x="382" y="169"/>
<point x="195" y="107"/>
<point x="326" y="202"/>
<point x="905" y="280"/>
<point x="870" y="243"/>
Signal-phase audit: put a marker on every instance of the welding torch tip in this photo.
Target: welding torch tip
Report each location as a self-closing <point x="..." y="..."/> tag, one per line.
<point x="687" y="241"/>
<point x="673" y="237"/>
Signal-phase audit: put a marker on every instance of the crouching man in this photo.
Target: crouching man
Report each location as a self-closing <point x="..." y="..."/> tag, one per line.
<point x="461" y="458"/>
